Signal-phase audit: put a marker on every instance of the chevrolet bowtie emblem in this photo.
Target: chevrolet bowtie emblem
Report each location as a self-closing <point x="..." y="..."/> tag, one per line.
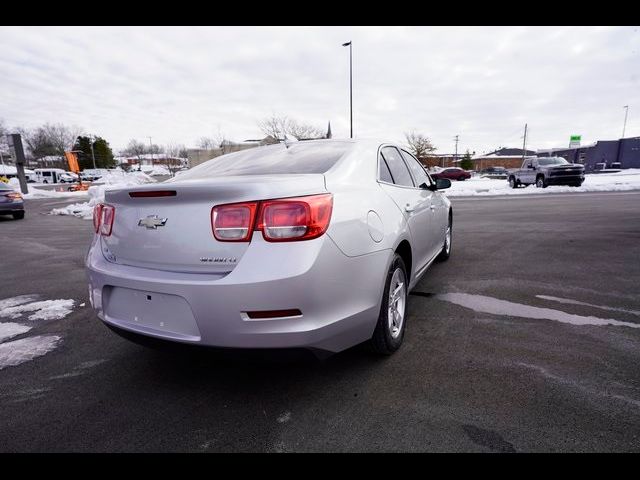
<point x="152" y="222"/>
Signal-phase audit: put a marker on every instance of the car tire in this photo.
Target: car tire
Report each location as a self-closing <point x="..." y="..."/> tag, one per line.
<point x="462" y="179"/>
<point x="541" y="182"/>
<point x="513" y="183"/>
<point x="445" y="253"/>
<point x="389" y="332"/>
<point x="18" y="215"/>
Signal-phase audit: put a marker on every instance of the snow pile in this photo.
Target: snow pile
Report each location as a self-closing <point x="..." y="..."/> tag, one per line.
<point x="99" y="187"/>
<point x="122" y="178"/>
<point x="601" y="182"/>
<point x="25" y="349"/>
<point x="44" y="310"/>
<point x="38" y="193"/>
<point x="81" y="210"/>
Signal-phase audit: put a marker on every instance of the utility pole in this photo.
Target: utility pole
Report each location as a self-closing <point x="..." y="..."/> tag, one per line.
<point x="150" y="150"/>
<point x="455" y="157"/>
<point x="626" y="112"/>
<point x="348" y="44"/>
<point x="524" y="143"/>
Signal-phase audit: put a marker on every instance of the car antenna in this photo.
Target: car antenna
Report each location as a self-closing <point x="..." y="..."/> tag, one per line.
<point x="288" y="141"/>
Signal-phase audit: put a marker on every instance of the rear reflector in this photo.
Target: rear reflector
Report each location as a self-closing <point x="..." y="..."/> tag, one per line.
<point x="294" y="312"/>
<point x="153" y="193"/>
<point x="233" y="222"/>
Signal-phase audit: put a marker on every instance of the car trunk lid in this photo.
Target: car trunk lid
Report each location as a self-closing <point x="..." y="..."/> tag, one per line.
<point x="167" y="226"/>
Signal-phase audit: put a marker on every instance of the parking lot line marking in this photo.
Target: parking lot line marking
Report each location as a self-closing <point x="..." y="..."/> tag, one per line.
<point x="495" y="306"/>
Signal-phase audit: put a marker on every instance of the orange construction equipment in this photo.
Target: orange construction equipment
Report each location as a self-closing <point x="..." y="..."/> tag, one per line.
<point x="72" y="160"/>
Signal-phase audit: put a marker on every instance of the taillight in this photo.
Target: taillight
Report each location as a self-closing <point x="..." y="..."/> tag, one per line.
<point x="97" y="215"/>
<point x="301" y="218"/>
<point x="283" y="220"/>
<point x="103" y="216"/>
<point x="106" y="220"/>
<point x="14" y="196"/>
<point x="233" y="222"/>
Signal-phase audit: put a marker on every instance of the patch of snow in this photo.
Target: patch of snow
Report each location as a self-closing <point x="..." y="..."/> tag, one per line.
<point x="25" y="349"/>
<point x="495" y="306"/>
<point x="80" y="210"/>
<point x="82" y="304"/>
<point x="9" y="330"/>
<point x="19" y="300"/>
<point x="44" y="310"/>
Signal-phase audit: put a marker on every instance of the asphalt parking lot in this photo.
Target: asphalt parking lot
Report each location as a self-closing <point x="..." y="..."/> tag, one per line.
<point x="478" y="372"/>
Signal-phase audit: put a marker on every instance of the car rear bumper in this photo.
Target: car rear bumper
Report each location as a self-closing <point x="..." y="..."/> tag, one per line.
<point x="338" y="296"/>
<point x="9" y="208"/>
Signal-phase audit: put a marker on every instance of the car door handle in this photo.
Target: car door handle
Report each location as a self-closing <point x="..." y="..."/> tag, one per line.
<point x="432" y="207"/>
<point x="408" y="208"/>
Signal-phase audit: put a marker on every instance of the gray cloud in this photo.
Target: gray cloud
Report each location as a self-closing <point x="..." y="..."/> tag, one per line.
<point x="177" y="84"/>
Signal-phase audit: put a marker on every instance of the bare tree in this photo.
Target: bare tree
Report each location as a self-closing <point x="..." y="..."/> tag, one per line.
<point x="175" y="152"/>
<point x="419" y="145"/>
<point x="279" y="126"/>
<point x="135" y="148"/>
<point x="303" y="130"/>
<point x="207" y="143"/>
<point x="61" y="137"/>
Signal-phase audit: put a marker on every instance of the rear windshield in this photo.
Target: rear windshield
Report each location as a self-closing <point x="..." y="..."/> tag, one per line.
<point x="4" y="186"/>
<point x="300" y="157"/>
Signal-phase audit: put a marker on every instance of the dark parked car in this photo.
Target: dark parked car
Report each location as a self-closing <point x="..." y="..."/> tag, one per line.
<point x="11" y="202"/>
<point x="545" y="171"/>
<point x="452" y="173"/>
<point x="495" y="172"/>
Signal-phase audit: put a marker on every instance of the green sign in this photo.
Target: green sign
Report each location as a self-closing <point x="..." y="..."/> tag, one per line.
<point x="575" y="138"/>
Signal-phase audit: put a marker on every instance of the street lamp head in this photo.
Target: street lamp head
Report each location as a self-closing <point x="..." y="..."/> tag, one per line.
<point x="346" y="44"/>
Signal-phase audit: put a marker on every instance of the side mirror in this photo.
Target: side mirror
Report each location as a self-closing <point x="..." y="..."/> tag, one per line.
<point x="442" y="183"/>
<point x="531" y="167"/>
<point x="424" y="186"/>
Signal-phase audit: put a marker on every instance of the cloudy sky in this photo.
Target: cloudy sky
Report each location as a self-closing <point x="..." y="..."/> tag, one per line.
<point x="178" y="84"/>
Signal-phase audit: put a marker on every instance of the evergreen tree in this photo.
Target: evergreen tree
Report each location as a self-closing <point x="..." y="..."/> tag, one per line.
<point x="101" y="151"/>
<point x="466" y="163"/>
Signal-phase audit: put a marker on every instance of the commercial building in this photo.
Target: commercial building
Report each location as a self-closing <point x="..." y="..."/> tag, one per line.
<point x="622" y="153"/>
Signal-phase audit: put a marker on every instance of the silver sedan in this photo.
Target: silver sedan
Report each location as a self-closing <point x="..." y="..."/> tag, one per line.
<point x="312" y="244"/>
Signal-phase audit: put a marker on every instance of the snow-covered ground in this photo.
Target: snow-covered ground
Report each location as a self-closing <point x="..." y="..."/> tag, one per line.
<point x="597" y="182"/>
<point x="26" y="311"/>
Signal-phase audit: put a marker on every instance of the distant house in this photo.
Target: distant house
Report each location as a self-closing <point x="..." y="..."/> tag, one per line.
<point x="503" y="157"/>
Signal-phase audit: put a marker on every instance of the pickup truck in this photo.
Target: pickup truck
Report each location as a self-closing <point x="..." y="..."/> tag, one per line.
<point x="545" y="171"/>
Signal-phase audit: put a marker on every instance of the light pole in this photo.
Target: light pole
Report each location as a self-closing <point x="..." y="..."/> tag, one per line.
<point x="93" y="156"/>
<point x="626" y="112"/>
<point x="348" y="44"/>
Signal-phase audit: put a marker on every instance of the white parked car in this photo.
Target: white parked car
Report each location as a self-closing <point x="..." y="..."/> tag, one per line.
<point x="315" y="244"/>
